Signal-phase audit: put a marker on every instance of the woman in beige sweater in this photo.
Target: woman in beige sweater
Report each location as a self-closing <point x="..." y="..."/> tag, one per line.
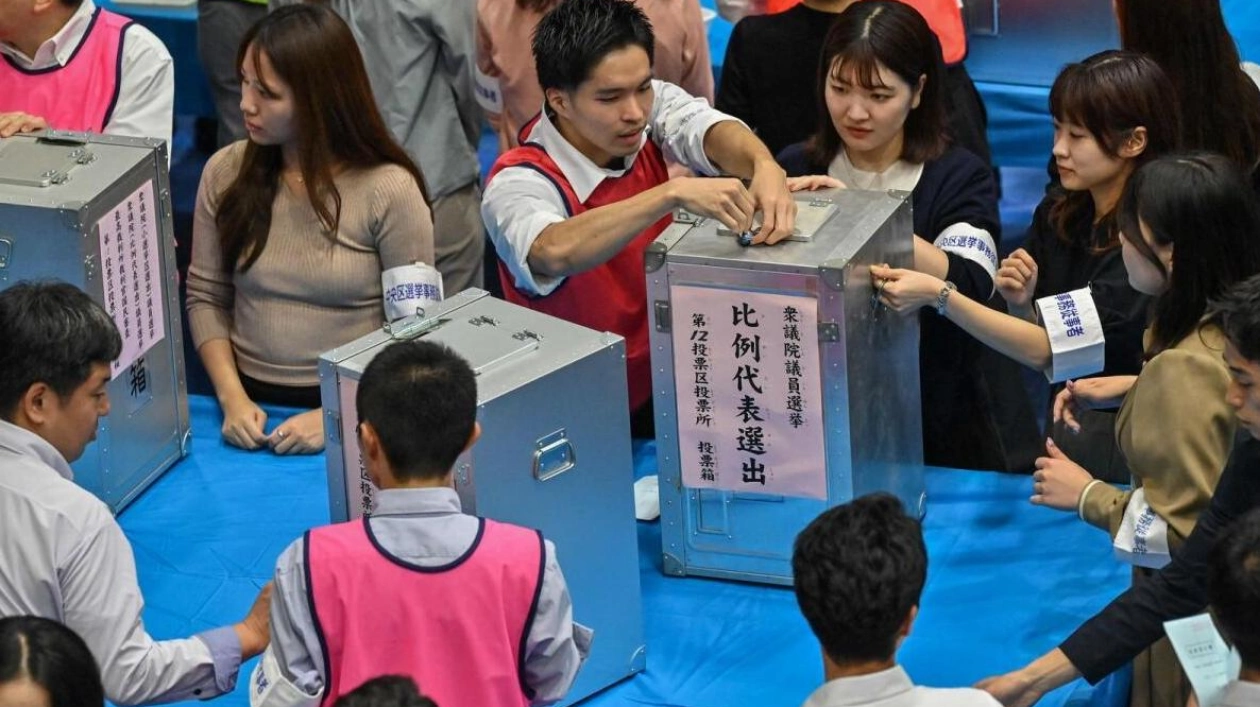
<point x="294" y="227"/>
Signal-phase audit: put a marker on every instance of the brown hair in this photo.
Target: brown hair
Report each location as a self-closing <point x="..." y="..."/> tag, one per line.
<point x="895" y="35"/>
<point x="1110" y="95"/>
<point x="337" y="125"/>
<point x="1190" y="42"/>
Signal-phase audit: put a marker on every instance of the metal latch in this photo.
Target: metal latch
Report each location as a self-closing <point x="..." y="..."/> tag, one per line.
<point x="828" y="332"/>
<point x="663" y="320"/>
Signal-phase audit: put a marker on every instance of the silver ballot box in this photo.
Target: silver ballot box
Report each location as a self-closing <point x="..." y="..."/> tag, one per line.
<point x="95" y="211"/>
<point x="781" y="388"/>
<point x="554" y="453"/>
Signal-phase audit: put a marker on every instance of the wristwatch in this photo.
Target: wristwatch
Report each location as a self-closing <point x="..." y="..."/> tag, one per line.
<point x="942" y="297"/>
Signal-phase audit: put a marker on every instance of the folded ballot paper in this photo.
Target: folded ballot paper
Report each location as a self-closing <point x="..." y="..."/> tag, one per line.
<point x="1076" y="334"/>
<point x="1207" y="660"/>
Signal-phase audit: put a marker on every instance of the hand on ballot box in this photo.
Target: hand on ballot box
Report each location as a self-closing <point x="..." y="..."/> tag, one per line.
<point x="17" y="122"/>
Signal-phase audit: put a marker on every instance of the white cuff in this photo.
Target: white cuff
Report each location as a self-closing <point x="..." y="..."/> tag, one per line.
<point x="1077" y="345"/>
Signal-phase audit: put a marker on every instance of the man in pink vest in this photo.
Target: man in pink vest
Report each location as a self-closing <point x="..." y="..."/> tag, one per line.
<point x="70" y="65"/>
<point x="476" y="611"/>
<point x="572" y="209"/>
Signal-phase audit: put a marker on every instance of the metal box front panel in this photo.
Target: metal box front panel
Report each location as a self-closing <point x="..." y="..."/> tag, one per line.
<point x="52" y="232"/>
<point x="869" y="383"/>
<point x="554" y="454"/>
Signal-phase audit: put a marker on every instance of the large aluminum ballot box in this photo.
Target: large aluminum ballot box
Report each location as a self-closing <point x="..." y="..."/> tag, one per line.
<point x="554" y="453"/>
<point x="95" y="211"/>
<point x="781" y="387"/>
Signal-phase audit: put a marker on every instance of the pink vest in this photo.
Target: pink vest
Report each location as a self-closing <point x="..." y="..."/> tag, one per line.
<point x="459" y="630"/>
<point x="80" y="95"/>
<point x="608" y="297"/>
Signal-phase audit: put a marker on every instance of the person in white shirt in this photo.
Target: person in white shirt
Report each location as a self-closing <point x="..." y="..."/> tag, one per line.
<point x="70" y="65"/>
<point x="1233" y="592"/>
<point x="858" y="571"/>
<point x="62" y="554"/>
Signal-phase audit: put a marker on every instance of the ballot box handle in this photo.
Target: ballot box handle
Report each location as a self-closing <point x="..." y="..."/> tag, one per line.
<point x="553" y="455"/>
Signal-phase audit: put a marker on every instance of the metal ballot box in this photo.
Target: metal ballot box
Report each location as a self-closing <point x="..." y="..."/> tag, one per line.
<point x="781" y="387"/>
<point x="554" y="453"/>
<point x="95" y="211"/>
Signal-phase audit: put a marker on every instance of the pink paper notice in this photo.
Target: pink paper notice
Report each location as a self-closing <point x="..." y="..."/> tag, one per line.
<point x="749" y="391"/>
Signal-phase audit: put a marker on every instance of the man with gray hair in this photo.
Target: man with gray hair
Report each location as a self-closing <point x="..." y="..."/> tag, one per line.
<point x="62" y="554"/>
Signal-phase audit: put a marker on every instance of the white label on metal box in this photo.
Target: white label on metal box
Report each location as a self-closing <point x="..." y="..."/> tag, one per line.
<point x="132" y="274"/>
<point x="749" y="391"/>
<point x="360" y="491"/>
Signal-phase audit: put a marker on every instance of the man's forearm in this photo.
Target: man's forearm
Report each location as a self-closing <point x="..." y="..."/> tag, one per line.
<point x="589" y="239"/>
<point x="735" y="150"/>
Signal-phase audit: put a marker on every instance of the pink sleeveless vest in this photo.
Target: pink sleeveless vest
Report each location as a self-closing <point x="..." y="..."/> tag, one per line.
<point x="80" y="95"/>
<point x="459" y="630"/>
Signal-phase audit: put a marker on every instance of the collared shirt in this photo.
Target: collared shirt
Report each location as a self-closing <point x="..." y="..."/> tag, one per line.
<point x="419" y="58"/>
<point x="425" y="527"/>
<point x="893" y="688"/>
<point x="63" y="557"/>
<point x="520" y="202"/>
<point x="146" y="86"/>
<point x="1240" y="693"/>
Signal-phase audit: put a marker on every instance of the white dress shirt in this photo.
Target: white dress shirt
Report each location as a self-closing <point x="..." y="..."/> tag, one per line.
<point x="146" y="91"/>
<point x="425" y="527"/>
<point x="1240" y="693"/>
<point x="893" y="688"/>
<point x="519" y="202"/>
<point x="63" y="557"/>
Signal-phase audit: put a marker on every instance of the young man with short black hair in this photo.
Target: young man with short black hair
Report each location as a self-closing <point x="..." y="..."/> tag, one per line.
<point x="70" y="65"/>
<point x="572" y="210"/>
<point x="1233" y="592"/>
<point x="62" y="554"/>
<point x="858" y="570"/>
<point x="476" y="611"/>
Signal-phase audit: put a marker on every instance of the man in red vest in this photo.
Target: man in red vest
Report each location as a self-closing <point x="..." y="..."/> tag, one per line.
<point x="70" y="65"/>
<point x="573" y="208"/>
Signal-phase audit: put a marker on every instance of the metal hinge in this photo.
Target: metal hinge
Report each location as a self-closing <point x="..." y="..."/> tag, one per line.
<point x="828" y="332"/>
<point x="663" y="320"/>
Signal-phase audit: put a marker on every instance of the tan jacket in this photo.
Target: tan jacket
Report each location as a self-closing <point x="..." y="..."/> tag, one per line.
<point x="1175" y="430"/>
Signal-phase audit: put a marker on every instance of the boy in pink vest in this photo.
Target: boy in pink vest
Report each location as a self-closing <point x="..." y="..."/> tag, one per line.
<point x="476" y="611"/>
<point x="573" y="208"/>
<point x="70" y="65"/>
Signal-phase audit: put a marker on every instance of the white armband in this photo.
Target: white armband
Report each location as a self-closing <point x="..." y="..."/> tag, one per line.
<point x="487" y="91"/>
<point x="268" y="687"/>
<point x="408" y="289"/>
<point x="970" y="243"/>
<point x="1142" y="539"/>
<point x="1077" y="346"/>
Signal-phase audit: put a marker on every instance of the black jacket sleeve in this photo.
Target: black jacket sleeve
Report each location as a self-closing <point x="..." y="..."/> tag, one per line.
<point x="959" y="188"/>
<point x="1136" y="618"/>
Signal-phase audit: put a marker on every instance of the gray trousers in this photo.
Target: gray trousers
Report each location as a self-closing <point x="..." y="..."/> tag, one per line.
<point x="220" y="26"/>
<point x="459" y="239"/>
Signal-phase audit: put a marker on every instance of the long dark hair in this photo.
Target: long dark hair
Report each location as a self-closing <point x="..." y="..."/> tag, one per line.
<point x="1111" y="94"/>
<point x="1189" y="40"/>
<point x="1204" y="207"/>
<point x="51" y="656"/>
<point x="893" y="34"/>
<point x="337" y="125"/>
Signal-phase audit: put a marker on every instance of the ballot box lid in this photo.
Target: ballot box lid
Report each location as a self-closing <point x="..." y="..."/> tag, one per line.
<point x="833" y="225"/>
<point x="67" y="170"/>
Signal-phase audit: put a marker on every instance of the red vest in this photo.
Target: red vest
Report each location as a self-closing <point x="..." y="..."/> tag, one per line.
<point x="80" y="95"/>
<point x="458" y="630"/>
<point x="609" y="297"/>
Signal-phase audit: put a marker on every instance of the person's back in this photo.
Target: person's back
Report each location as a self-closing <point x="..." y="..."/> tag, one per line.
<point x="1233" y="592"/>
<point x="858" y="571"/>
<point x="474" y="610"/>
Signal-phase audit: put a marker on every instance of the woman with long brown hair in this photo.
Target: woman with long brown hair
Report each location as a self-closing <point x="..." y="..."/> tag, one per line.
<point x="295" y="226"/>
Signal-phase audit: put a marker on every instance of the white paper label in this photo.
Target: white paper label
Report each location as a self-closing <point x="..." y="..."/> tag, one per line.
<point x="132" y="274"/>
<point x="749" y="391"/>
<point x="1142" y="539"/>
<point x="970" y="243"/>
<point x="1077" y="345"/>
<point x="1203" y="655"/>
<point x="489" y="94"/>
<point x="360" y="491"/>
<point x="410" y="289"/>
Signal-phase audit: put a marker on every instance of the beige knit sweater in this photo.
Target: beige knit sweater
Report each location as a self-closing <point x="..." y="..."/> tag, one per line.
<point x="306" y="293"/>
